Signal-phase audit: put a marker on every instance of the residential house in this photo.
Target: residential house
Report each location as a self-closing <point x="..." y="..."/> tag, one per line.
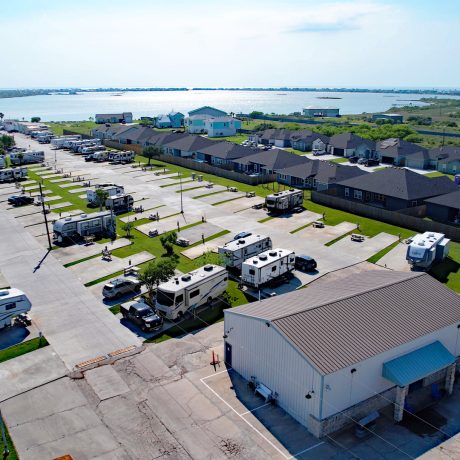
<point x="124" y="117"/>
<point x="317" y="111"/>
<point x="394" y="188"/>
<point x="187" y="145"/>
<point x="277" y="137"/>
<point x="196" y="124"/>
<point x="350" y="145"/>
<point x="223" y="153"/>
<point x="207" y="110"/>
<point x="398" y="151"/>
<point x="447" y="159"/>
<point x="222" y="126"/>
<point x="444" y="208"/>
<point x="170" y="120"/>
<point x="306" y="141"/>
<point x="268" y="161"/>
<point x="317" y="174"/>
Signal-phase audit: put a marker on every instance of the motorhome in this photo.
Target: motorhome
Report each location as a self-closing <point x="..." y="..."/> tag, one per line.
<point x="111" y="189"/>
<point x="427" y="248"/>
<point x="237" y="251"/>
<point x="97" y="156"/>
<point x="77" y="227"/>
<point x="189" y="291"/>
<point x="122" y="157"/>
<point x="91" y="149"/>
<point x="13" y="174"/>
<point x="284" y="201"/>
<point x="27" y="157"/>
<point x="267" y="267"/>
<point x="58" y="142"/>
<point x="13" y="302"/>
<point x="120" y="203"/>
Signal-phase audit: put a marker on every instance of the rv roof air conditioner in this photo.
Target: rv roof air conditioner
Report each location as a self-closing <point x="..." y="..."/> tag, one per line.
<point x="208" y="268"/>
<point x="186" y="278"/>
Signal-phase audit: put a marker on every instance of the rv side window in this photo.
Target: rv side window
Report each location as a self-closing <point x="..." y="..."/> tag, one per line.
<point x="274" y="269"/>
<point x="179" y="298"/>
<point x="194" y="293"/>
<point x="252" y="271"/>
<point x="10" y="306"/>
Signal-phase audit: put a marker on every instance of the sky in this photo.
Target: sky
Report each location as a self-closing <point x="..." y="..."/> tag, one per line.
<point x="237" y="43"/>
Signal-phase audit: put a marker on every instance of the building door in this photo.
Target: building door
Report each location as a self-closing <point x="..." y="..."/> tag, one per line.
<point x="228" y="354"/>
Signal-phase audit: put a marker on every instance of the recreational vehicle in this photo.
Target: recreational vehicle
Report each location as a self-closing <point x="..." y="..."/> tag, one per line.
<point x="111" y="189"/>
<point x="120" y="203"/>
<point x="58" y="142"/>
<point x="267" y="267"/>
<point x="77" y="227"/>
<point x="122" y="157"/>
<point x="27" y="157"/>
<point x="2" y="161"/>
<point x="237" y="251"/>
<point x="13" y="302"/>
<point x="284" y="201"/>
<point x="97" y="156"/>
<point x="191" y="290"/>
<point x="13" y="174"/>
<point x="91" y="149"/>
<point x="427" y="248"/>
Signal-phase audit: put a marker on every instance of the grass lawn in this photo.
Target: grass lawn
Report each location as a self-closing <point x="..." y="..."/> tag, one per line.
<point x="22" y="348"/>
<point x="339" y="160"/>
<point x="82" y="127"/>
<point x="448" y="271"/>
<point x="236" y="139"/>
<point x="297" y="152"/>
<point x="439" y="174"/>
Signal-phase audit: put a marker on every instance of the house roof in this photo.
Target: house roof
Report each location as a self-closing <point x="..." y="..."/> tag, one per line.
<point x="401" y="183"/>
<point x="450" y="200"/>
<point x="192" y="112"/>
<point x="273" y="159"/>
<point x="323" y="171"/>
<point x="398" y="147"/>
<point x="110" y="115"/>
<point x="349" y="320"/>
<point x="228" y="150"/>
<point x="188" y="143"/>
<point x="225" y="118"/>
<point x="349" y="141"/>
<point x="162" y="138"/>
<point x="163" y="119"/>
<point x="446" y="154"/>
<point x="172" y="114"/>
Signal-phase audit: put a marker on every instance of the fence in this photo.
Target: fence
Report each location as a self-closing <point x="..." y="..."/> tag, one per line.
<point x="390" y="217"/>
<point x="69" y="132"/>
<point x="116" y="145"/>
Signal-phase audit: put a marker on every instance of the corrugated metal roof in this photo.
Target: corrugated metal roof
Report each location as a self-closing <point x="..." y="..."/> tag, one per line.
<point x="418" y="364"/>
<point x="349" y="320"/>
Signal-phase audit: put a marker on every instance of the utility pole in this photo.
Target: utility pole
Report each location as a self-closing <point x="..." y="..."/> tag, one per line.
<point x="46" y="218"/>
<point x="181" y="200"/>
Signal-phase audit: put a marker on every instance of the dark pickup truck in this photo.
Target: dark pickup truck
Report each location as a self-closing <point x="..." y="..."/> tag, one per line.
<point x="20" y="200"/>
<point x="143" y="316"/>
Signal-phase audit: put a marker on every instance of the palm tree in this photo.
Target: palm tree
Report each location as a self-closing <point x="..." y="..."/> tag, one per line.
<point x="151" y="152"/>
<point x="1" y="116"/>
<point x="101" y="197"/>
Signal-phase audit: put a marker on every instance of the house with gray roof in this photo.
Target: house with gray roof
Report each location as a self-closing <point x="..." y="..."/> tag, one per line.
<point x="267" y="161"/>
<point x="304" y="139"/>
<point x="185" y="145"/>
<point x="393" y="188"/>
<point x="170" y="120"/>
<point x="348" y="346"/>
<point x="223" y="153"/>
<point x="444" y="208"/>
<point x="351" y="145"/>
<point x="446" y="159"/>
<point x="207" y="110"/>
<point x="399" y="152"/>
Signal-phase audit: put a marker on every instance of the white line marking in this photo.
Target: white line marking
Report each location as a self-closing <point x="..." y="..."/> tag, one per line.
<point x="257" y="408"/>
<point x="217" y="373"/>
<point x="306" y="450"/>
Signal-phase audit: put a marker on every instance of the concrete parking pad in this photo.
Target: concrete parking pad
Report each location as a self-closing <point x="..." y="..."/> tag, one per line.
<point x="211" y="245"/>
<point x="96" y="268"/>
<point x="70" y="185"/>
<point x="62" y="179"/>
<point x="327" y="233"/>
<point x="290" y="222"/>
<point x="163" y="212"/>
<point x="169" y="223"/>
<point x="105" y="382"/>
<point x="365" y="249"/>
<point x="64" y="204"/>
<point x="195" y="234"/>
<point x="204" y="191"/>
<point x="396" y="259"/>
<point x="240" y="205"/>
<point x="219" y="197"/>
<point x="78" y="190"/>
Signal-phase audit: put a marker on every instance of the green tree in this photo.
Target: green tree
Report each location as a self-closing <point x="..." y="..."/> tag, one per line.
<point x="167" y="241"/>
<point x="127" y="228"/>
<point x="151" y="152"/>
<point x="7" y="141"/>
<point x="156" y="272"/>
<point x="101" y="197"/>
<point x="35" y="119"/>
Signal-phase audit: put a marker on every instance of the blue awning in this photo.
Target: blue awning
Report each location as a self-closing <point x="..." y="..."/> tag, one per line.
<point x="418" y="364"/>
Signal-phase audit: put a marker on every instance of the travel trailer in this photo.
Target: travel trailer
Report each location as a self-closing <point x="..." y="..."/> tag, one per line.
<point x="111" y="189"/>
<point x="77" y="227"/>
<point x="120" y="203"/>
<point x="237" y="251"/>
<point x="267" y="267"/>
<point x="98" y="156"/>
<point x="13" y="174"/>
<point x="284" y="201"/>
<point x="91" y="149"/>
<point x="122" y="157"/>
<point x="427" y="248"/>
<point x="58" y="142"/>
<point x="27" y="157"/>
<point x="191" y="290"/>
<point x="13" y="302"/>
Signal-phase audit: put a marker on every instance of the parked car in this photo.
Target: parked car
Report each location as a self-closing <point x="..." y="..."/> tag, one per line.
<point x="121" y="286"/>
<point x="242" y="235"/>
<point x="362" y="161"/>
<point x="20" y="200"/>
<point x="143" y="315"/>
<point x="372" y="162"/>
<point x="353" y="159"/>
<point x="318" y="153"/>
<point x="181" y="241"/>
<point x="305" y="263"/>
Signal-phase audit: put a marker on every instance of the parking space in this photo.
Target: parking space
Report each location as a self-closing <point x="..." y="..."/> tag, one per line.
<point x="169" y="223"/>
<point x="160" y="209"/>
<point x="366" y="248"/>
<point x="200" y="232"/>
<point x="240" y="205"/>
<point x="204" y="191"/>
<point x="290" y="222"/>
<point x="220" y="197"/>
<point x="396" y="259"/>
<point x="322" y="235"/>
<point x="209" y="246"/>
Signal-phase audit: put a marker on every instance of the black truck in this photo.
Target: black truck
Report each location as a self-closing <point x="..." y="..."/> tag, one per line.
<point x="143" y="316"/>
<point x="20" y="200"/>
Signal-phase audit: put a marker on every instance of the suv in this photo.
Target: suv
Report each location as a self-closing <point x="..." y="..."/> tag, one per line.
<point x="353" y="159"/>
<point x="242" y="235"/>
<point x="20" y="200"/>
<point x="372" y="162"/>
<point x="121" y="286"/>
<point x="305" y="263"/>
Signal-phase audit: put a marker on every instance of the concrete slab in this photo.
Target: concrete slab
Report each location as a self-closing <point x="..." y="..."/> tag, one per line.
<point x="79" y="190"/>
<point x="70" y="185"/>
<point x="62" y="179"/>
<point x="290" y="222"/>
<point x="96" y="290"/>
<point x="240" y="205"/>
<point x="163" y="212"/>
<point x="63" y="204"/>
<point x="209" y="246"/>
<point x="196" y="233"/>
<point x="327" y="233"/>
<point x="105" y="382"/>
<point x="204" y="191"/>
<point x="365" y="249"/>
<point x="169" y="223"/>
<point x="220" y="197"/>
<point x="396" y="259"/>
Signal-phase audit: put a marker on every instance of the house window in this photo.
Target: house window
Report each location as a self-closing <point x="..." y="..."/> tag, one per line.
<point x="347" y="191"/>
<point x="414" y="203"/>
<point x="379" y="197"/>
<point x="274" y="269"/>
<point x="357" y="194"/>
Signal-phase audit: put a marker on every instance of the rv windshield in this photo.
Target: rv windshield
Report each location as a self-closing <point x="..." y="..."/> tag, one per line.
<point x="165" y="298"/>
<point x="416" y="252"/>
<point x="270" y="202"/>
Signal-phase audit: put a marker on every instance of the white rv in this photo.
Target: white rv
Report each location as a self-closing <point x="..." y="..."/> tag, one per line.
<point x="91" y="149"/>
<point x="111" y="189"/>
<point x="236" y="252"/>
<point x="122" y="157"/>
<point x="191" y="290"/>
<point x="13" y="302"/>
<point x="426" y="249"/>
<point x="267" y="267"/>
<point x="27" y="157"/>
<point x="13" y="174"/>
<point x="284" y="201"/>
<point x="58" y="142"/>
<point x="100" y="156"/>
<point x="76" y="227"/>
<point x="120" y="203"/>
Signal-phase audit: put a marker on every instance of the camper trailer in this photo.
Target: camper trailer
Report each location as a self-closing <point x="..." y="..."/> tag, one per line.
<point x="91" y="149"/>
<point x="13" y="174"/>
<point x="120" y="203"/>
<point x="284" y="201"/>
<point x="268" y="267"/>
<point x="77" y="227"/>
<point x="2" y="161"/>
<point x="237" y="251"/>
<point x="427" y="248"/>
<point x="13" y="302"/>
<point x="58" y="142"/>
<point x="111" y="189"/>
<point x="27" y="157"/>
<point x="191" y="290"/>
<point x="122" y="157"/>
<point x="98" y="156"/>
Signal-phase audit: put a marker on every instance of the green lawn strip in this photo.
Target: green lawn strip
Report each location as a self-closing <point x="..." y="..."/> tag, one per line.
<point x="341" y="237"/>
<point x="171" y="185"/>
<point x="22" y="348"/>
<point x="226" y="201"/>
<point x="339" y="160"/>
<point x="297" y="152"/>
<point x="209" y="238"/>
<point x="190" y="189"/>
<point x="265" y="219"/>
<point x="303" y="226"/>
<point x="76" y="262"/>
<point x="439" y="174"/>
<point x="207" y="194"/>
<point x="380" y="168"/>
<point x="448" y="271"/>
<point x="115" y="309"/>
<point x="376" y="257"/>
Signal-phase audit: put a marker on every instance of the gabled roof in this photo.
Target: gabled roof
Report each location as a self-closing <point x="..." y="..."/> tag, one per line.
<point x="110" y="115"/>
<point x="273" y="159"/>
<point x="349" y="320"/>
<point x="161" y="138"/>
<point x="398" y="147"/>
<point x="192" y="112"/>
<point x="228" y="150"/>
<point x="188" y="143"/>
<point x="172" y="114"/>
<point x="446" y="154"/>
<point x="349" y="141"/>
<point x="450" y="200"/>
<point x="163" y="119"/>
<point x="401" y="183"/>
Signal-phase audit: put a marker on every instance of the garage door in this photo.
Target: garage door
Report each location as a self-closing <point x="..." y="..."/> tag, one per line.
<point x="338" y="152"/>
<point x="388" y="160"/>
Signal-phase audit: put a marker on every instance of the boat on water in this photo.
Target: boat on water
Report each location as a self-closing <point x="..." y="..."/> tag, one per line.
<point x="328" y="97"/>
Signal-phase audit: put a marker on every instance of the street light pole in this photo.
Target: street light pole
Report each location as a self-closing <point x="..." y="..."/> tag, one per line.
<point x="44" y="215"/>
<point x="181" y="199"/>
